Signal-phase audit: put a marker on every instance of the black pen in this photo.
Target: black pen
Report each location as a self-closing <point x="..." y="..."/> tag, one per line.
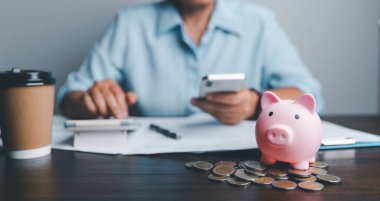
<point x="164" y="131"/>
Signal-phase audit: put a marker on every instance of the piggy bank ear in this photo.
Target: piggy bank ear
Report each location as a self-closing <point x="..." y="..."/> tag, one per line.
<point x="268" y="98"/>
<point x="308" y="101"/>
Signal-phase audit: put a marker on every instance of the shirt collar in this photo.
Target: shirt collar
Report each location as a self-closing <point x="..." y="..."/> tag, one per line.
<point x="222" y="18"/>
<point x="168" y="17"/>
<point x="225" y="18"/>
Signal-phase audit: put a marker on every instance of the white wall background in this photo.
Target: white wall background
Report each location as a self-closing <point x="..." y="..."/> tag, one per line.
<point x="338" y="40"/>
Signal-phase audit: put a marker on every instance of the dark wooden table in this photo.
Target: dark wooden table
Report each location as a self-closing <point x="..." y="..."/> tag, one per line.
<point x="81" y="176"/>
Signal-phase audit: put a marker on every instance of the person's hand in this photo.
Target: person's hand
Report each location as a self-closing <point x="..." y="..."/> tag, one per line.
<point x="229" y="108"/>
<point x="106" y="98"/>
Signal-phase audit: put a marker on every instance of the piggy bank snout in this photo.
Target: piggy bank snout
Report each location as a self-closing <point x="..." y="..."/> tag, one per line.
<point x="280" y="135"/>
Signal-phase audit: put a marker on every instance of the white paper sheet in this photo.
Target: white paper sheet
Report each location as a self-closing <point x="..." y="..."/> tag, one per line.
<point x="200" y="133"/>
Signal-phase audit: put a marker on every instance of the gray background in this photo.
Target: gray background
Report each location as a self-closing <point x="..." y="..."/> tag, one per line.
<point x="338" y="40"/>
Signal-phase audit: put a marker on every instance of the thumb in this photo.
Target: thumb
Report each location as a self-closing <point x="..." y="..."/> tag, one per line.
<point x="131" y="98"/>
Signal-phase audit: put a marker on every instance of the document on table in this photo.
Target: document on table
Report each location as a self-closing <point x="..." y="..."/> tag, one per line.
<point x="199" y="133"/>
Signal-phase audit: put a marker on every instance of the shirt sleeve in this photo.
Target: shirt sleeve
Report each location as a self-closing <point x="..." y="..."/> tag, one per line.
<point x="283" y="66"/>
<point x="105" y="61"/>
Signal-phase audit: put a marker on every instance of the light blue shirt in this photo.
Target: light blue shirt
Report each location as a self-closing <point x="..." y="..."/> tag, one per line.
<point x="146" y="50"/>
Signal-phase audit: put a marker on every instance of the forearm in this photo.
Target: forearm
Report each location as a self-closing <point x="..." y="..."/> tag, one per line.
<point x="288" y="93"/>
<point x="283" y="93"/>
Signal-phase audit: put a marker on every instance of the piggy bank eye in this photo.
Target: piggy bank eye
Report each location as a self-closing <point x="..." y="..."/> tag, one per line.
<point x="270" y="114"/>
<point x="297" y="116"/>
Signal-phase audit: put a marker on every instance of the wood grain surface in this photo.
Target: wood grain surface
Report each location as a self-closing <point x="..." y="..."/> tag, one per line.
<point x="82" y="176"/>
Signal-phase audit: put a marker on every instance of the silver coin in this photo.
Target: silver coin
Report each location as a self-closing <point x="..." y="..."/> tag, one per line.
<point x="203" y="165"/>
<point x="223" y="170"/>
<point x="299" y="173"/>
<point x="317" y="171"/>
<point x="254" y="165"/>
<point x="237" y="182"/>
<point x="241" y="164"/>
<point x="311" y="186"/>
<point x="319" y="164"/>
<point x="217" y="178"/>
<point x="329" y="178"/>
<point x="284" y="185"/>
<point x="190" y="164"/>
<point x="254" y="172"/>
<point x="263" y="180"/>
<point x="280" y="178"/>
<point x="229" y="163"/>
<point x="242" y="175"/>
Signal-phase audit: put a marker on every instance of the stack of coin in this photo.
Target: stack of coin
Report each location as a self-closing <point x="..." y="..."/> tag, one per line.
<point x="255" y="168"/>
<point x="299" y="173"/>
<point x="244" y="173"/>
<point x="278" y="173"/>
<point x="306" y="180"/>
<point x="228" y="168"/>
<point x="222" y="171"/>
<point x="317" y="171"/>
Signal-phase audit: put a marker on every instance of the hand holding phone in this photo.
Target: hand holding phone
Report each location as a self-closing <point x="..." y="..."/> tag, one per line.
<point x="229" y="103"/>
<point x="214" y="83"/>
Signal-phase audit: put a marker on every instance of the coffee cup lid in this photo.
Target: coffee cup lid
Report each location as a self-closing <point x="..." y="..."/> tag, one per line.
<point x="16" y="77"/>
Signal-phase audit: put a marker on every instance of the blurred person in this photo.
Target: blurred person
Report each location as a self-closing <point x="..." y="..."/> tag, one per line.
<point x="151" y="59"/>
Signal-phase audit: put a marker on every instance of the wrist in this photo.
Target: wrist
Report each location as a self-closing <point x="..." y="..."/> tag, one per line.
<point x="256" y="104"/>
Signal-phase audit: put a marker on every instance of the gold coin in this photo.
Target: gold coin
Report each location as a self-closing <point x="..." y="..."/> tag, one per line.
<point x="311" y="185"/>
<point x="317" y="171"/>
<point x="329" y="178"/>
<point x="203" y="165"/>
<point x="229" y="163"/>
<point x="237" y="182"/>
<point x="284" y="185"/>
<point x="264" y="180"/>
<point x="255" y="172"/>
<point x="240" y="174"/>
<point x="276" y="172"/>
<point x="217" y="178"/>
<point x="223" y="170"/>
<point x="190" y="164"/>
<point x="254" y="165"/>
<point x="311" y="178"/>
<point x="299" y="173"/>
<point x="319" y="164"/>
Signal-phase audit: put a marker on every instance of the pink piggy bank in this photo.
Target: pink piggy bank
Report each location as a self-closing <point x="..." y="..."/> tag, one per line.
<point x="288" y="131"/>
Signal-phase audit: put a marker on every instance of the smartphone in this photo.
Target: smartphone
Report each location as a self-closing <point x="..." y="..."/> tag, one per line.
<point x="213" y="83"/>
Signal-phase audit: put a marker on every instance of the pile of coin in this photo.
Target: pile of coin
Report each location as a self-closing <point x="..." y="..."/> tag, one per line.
<point x="280" y="177"/>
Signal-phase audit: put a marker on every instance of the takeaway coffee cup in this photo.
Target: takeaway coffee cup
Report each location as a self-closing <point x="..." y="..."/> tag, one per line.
<point x="26" y="112"/>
